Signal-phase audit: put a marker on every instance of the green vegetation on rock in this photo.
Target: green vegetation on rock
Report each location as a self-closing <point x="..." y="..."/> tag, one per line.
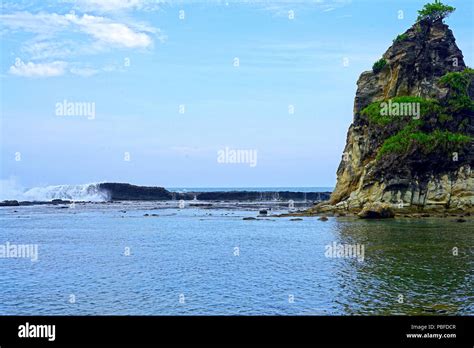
<point x="399" y="108"/>
<point x="400" y="38"/>
<point x="435" y="11"/>
<point x="409" y="137"/>
<point x="378" y="65"/>
<point x="459" y="83"/>
<point x="424" y="133"/>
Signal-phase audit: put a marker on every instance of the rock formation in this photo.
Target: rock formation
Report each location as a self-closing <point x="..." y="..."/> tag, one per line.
<point x="410" y="143"/>
<point x="128" y="192"/>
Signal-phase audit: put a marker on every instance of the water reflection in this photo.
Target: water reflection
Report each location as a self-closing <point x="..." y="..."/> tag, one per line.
<point x="409" y="268"/>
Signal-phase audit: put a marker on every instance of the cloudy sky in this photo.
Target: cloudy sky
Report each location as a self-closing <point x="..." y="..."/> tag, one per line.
<point x="171" y="83"/>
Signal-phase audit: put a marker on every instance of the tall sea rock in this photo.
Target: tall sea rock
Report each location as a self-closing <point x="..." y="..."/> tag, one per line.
<point x="411" y="162"/>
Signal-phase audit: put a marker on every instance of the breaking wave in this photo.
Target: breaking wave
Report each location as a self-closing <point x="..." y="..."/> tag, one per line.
<point x="85" y="192"/>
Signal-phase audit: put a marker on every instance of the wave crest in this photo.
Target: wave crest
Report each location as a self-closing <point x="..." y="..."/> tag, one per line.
<point x="85" y="192"/>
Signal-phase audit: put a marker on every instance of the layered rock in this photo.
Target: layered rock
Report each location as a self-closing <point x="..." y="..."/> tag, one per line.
<point x="414" y="180"/>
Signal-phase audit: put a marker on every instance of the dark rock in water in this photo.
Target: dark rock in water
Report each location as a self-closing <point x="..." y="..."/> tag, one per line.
<point x="323" y="218"/>
<point x="460" y="220"/>
<point x="249" y="218"/>
<point x="296" y="219"/>
<point x="263" y="212"/>
<point x="60" y="201"/>
<point x="11" y="203"/>
<point x="146" y="214"/>
<point x="128" y="192"/>
<point x="376" y="211"/>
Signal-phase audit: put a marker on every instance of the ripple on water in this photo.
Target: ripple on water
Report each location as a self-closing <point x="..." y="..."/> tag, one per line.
<point x="281" y="267"/>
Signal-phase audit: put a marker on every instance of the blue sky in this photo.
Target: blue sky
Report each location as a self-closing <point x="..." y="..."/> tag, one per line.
<point x="137" y="62"/>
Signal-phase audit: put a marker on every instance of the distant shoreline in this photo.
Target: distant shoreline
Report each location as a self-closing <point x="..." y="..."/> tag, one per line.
<point x="110" y="192"/>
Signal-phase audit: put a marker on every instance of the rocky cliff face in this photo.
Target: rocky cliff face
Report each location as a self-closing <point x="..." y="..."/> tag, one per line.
<point x="412" y="161"/>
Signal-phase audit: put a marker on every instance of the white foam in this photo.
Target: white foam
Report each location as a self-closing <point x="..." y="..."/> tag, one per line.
<point x="85" y="192"/>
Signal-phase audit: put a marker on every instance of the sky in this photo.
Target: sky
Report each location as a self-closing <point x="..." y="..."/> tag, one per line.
<point x="153" y="92"/>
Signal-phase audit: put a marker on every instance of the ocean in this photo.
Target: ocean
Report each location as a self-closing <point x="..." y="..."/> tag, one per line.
<point x="110" y="259"/>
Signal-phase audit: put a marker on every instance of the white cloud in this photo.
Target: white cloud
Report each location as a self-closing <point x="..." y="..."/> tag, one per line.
<point x="109" y="32"/>
<point x="41" y="23"/>
<point x="31" y="69"/>
<point x="49" y="48"/>
<point x="110" y="4"/>
<point x="104" y="30"/>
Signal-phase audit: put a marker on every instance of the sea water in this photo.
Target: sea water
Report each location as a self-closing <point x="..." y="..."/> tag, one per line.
<point x="110" y="259"/>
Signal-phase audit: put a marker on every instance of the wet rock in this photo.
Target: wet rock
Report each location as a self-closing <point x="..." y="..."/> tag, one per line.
<point x="323" y="218"/>
<point x="296" y="219"/>
<point x="249" y="218"/>
<point x="376" y="211"/>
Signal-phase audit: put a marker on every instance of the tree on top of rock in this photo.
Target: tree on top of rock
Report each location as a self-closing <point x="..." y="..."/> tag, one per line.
<point x="434" y="11"/>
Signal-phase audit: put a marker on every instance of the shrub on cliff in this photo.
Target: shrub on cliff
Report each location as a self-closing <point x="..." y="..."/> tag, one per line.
<point x="400" y="38"/>
<point x="459" y="83"/>
<point x="410" y="136"/>
<point x="378" y="65"/>
<point x="435" y="11"/>
<point x="382" y="113"/>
